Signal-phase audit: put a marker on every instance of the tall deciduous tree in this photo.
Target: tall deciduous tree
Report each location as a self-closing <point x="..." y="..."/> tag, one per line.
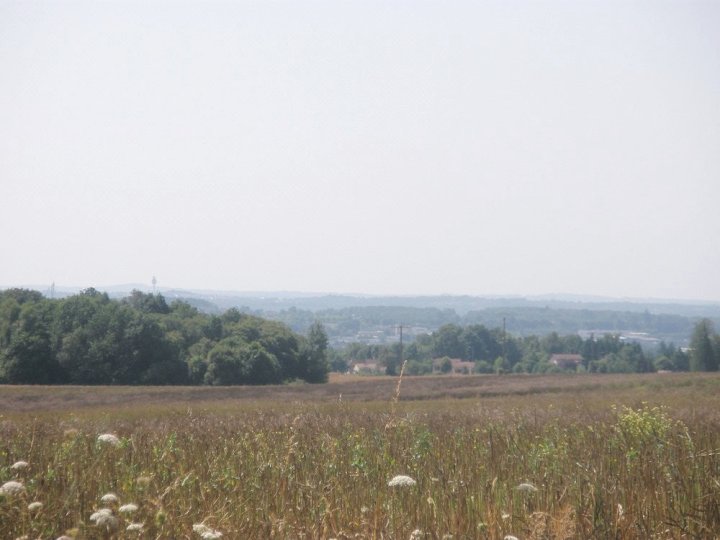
<point x="313" y="362"/>
<point x="702" y="352"/>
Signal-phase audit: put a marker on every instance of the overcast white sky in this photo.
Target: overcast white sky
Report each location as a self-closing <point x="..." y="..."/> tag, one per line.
<point x="509" y="147"/>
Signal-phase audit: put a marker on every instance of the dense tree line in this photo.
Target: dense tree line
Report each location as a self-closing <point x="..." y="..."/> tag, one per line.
<point x="495" y="351"/>
<point x="90" y="339"/>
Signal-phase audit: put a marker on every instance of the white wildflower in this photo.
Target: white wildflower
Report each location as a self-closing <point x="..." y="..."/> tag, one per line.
<point x="205" y="532"/>
<point x="510" y="537"/>
<point x="105" y="519"/>
<point x="109" y="438"/>
<point x="527" y="488"/>
<point x="128" y="508"/>
<point x="108" y="522"/>
<point x="102" y="512"/>
<point x="12" y="488"/>
<point x="620" y="511"/>
<point x="505" y="515"/>
<point x="135" y="527"/>
<point x="401" y="480"/>
<point x="64" y="537"/>
<point x="19" y="465"/>
<point x="417" y="534"/>
<point x="35" y="506"/>
<point x="109" y="498"/>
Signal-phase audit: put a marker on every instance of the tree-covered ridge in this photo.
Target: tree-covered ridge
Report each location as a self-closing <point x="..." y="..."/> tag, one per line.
<point x="344" y="324"/>
<point x="91" y="339"/>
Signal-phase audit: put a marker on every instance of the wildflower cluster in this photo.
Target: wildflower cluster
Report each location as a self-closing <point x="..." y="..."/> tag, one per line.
<point x="205" y="532"/>
<point x="12" y="488"/>
<point x="109" y="439"/>
<point x="401" y="481"/>
<point x="105" y="518"/>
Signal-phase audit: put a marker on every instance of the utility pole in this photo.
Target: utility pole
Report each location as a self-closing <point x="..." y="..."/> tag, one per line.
<point x="154" y="284"/>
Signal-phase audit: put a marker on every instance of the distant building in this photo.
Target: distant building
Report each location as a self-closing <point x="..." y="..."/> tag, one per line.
<point x="460" y="367"/>
<point x="566" y="361"/>
<point x="367" y="368"/>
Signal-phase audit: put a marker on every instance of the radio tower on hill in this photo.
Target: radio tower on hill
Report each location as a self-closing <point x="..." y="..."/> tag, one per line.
<point x="154" y="283"/>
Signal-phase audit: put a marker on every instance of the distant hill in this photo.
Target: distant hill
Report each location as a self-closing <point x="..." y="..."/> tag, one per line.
<point x="365" y="317"/>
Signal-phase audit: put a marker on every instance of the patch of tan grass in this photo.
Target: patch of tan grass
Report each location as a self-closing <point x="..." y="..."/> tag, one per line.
<point x="271" y="466"/>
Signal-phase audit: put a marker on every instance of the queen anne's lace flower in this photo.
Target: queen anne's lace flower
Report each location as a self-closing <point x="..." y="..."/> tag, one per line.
<point x="102" y="512"/>
<point x="135" y="527"/>
<point x="109" y="523"/>
<point x="12" y="488"/>
<point x="205" y="532"/>
<point x="105" y="519"/>
<point x="35" y="506"/>
<point x="19" y="465"/>
<point x="128" y="508"/>
<point x="527" y="488"/>
<point x="401" y="480"/>
<point x="109" y="439"/>
<point x="109" y="498"/>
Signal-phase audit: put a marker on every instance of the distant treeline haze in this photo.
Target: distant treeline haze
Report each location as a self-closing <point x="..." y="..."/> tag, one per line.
<point x="525" y="320"/>
<point x="90" y="339"/>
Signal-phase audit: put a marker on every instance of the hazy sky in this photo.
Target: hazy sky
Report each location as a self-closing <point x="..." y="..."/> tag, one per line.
<point x="509" y="147"/>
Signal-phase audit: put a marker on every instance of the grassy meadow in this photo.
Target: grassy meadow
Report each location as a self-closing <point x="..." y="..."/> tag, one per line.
<point x="531" y="457"/>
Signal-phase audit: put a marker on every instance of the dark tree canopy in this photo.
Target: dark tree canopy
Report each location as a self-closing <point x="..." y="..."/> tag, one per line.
<point x="703" y="356"/>
<point x="90" y="339"/>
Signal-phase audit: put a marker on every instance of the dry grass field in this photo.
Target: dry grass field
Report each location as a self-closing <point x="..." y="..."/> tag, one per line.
<point x="477" y="457"/>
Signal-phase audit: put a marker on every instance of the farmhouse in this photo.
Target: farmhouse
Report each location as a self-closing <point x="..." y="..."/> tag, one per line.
<point x="367" y="368"/>
<point x="566" y="361"/>
<point x="458" y="366"/>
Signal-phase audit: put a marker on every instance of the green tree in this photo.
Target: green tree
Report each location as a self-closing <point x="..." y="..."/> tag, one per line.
<point x="26" y="355"/>
<point x="313" y="362"/>
<point x="479" y="343"/>
<point x="483" y="366"/>
<point x="233" y="361"/>
<point x="447" y="342"/>
<point x="663" y="363"/>
<point x="702" y="351"/>
<point x="147" y="302"/>
<point x="390" y="357"/>
<point x="281" y="342"/>
<point x="501" y="365"/>
<point x="338" y="364"/>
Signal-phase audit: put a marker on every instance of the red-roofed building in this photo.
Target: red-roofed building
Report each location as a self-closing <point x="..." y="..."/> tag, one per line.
<point x="566" y="361"/>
